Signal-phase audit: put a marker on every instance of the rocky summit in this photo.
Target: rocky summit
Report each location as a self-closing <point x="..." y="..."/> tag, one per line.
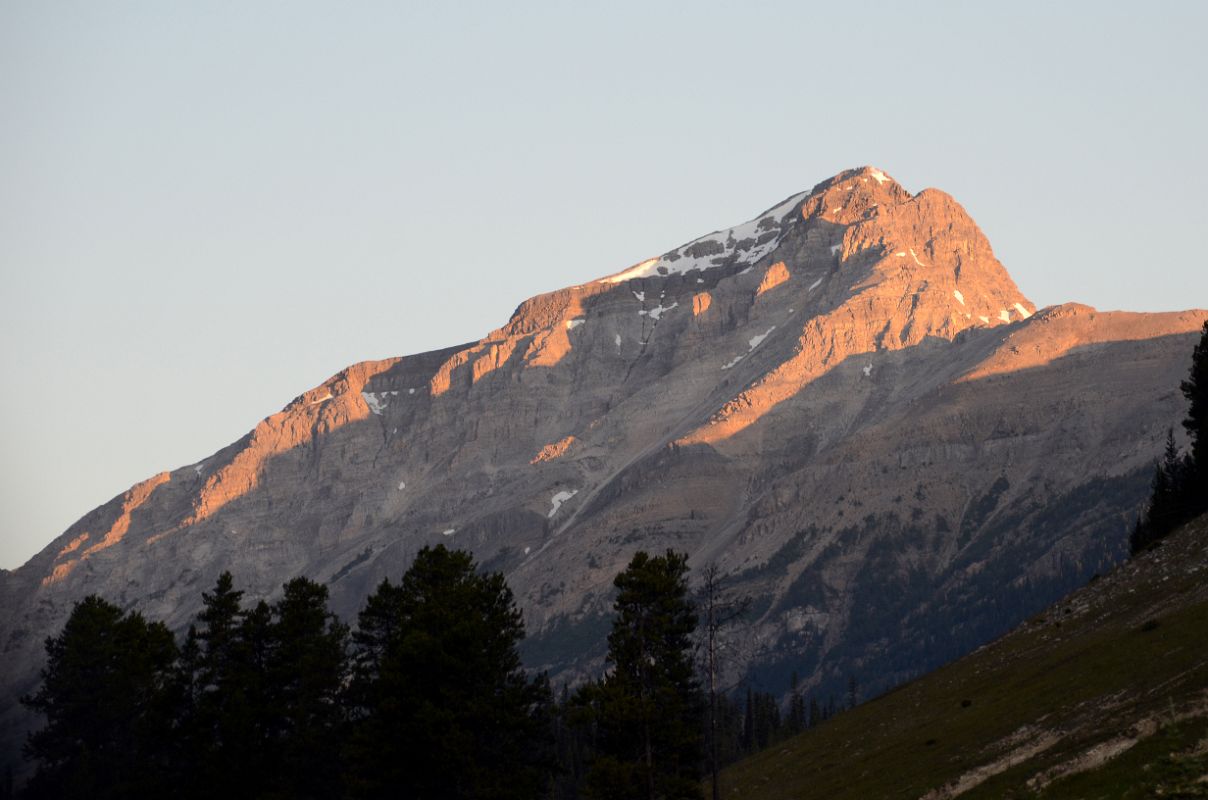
<point x="846" y="404"/>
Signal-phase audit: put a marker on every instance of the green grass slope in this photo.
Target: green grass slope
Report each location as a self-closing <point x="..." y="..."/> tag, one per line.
<point x="1105" y="695"/>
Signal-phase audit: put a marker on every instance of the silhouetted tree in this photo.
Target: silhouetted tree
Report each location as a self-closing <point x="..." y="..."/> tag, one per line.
<point x="796" y="719"/>
<point x="305" y="663"/>
<point x="720" y="608"/>
<point x="1195" y="389"/>
<point x="1180" y="483"/>
<point x="444" y="706"/>
<point x="104" y="693"/>
<point x="649" y="706"/>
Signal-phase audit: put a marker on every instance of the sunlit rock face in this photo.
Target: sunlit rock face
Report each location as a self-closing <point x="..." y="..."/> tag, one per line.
<point x="846" y="403"/>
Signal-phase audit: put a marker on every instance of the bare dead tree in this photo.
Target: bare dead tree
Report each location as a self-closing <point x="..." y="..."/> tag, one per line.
<point x="719" y="608"/>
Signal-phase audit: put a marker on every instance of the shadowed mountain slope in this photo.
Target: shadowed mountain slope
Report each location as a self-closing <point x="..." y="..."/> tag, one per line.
<point x="1104" y="695"/>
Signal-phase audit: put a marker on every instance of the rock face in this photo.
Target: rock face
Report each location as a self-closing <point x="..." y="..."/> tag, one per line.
<point x="846" y="404"/>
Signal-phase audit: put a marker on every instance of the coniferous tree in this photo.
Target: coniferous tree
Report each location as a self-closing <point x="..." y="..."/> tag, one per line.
<point x="815" y="713"/>
<point x="104" y="693"/>
<point x="305" y="661"/>
<point x="1195" y="389"/>
<point x="649" y="706"/>
<point x="1179" y="490"/>
<point x="796" y="718"/>
<point x="444" y="706"/>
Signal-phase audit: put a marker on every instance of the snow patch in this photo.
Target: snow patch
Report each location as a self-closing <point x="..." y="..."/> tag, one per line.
<point x="960" y="298"/>
<point x="659" y="310"/>
<point x="985" y="320"/>
<point x="558" y="499"/>
<point x="815" y="284"/>
<point x="641" y="296"/>
<point x="732" y="363"/>
<point x="571" y="324"/>
<point x="878" y="176"/>
<point x="410" y="391"/>
<point x="199" y="467"/>
<point x="755" y="341"/>
<point x="402" y="485"/>
<point x="527" y="550"/>
<point x="322" y="399"/>
<point x="916" y="258"/>
<point x="1004" y="315"/>
<point x="1023" y="312"/>
<point x="867" y="370"/>
<point x="618" y="340"/>
<point x="900" y="254"/>
<point x="448" y="532"/>
<point x="740" y="244"/>
<point x="643" y="270"/>
<point x="375" y="401"/>
<point x="835" y="248"/>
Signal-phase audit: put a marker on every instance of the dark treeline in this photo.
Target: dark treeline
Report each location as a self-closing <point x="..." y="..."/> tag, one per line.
<point x="1180" y="482"/>
<point x="425" y="697"/>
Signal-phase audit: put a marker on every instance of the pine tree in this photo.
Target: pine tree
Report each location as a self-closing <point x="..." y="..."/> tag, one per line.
<point x="104" y="693"/>
<point x="444" y="706"/>
<point x="1180" y="483"/>
<point x="1168" y="503"/>
<point x="796" y="719"/>
<point x="305" y="665"/>
<point x="1195" y="389"/>
<point x="649" y="706"/>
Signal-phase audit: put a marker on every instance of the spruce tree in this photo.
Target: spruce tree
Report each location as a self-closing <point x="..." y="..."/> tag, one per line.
<point x="104" y="693"/>
<point x="305" y="668"/>
<point x="1195" y="389"/>
<point x="796" y="718"/>
<point x="649" y="705"/>
<point x="445" y="708"/>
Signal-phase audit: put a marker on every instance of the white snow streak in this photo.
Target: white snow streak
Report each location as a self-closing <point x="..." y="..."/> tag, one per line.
<point x="1023" y="312"/>
<point x="571" y="324"/>
<point x="878" y="176"/>
<point x="960" y="298"/>
<point x="618" y="340"/>
<point x="755" y="341"/>
<point x="916" y="258"/>
<point x="448" y="532"/>
<point x="815" y="284"/>
<point x="375" y="401"/>
<point x="658" y="311"/>
<point x="558" y="499"/>
<point x="726" y="243"/>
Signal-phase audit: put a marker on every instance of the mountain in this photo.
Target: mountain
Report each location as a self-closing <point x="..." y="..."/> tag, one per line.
<point x="1101" y="695"/>
<point x="845" y="403"/>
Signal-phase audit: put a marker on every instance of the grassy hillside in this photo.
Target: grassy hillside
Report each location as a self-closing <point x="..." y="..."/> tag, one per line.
<point x="1105" y="695"/>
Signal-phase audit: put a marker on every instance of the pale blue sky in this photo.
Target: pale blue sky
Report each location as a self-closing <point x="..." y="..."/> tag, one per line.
<point x="207" y="208"/>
